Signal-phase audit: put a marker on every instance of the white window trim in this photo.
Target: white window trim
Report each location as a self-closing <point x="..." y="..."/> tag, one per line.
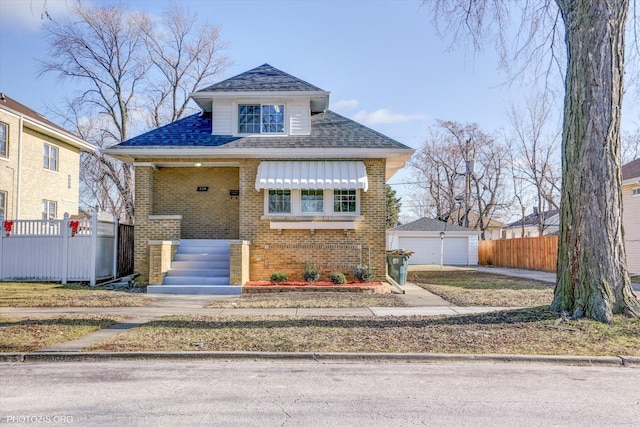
<point x="48" y="211"/>
<point x="48" y="167"/>
<point x="296" y="206"/>
<point x="635" y="192"/>
<point x="6" y="146"/>
<point x="3" y="206"/>
<point x="236" y="112"/>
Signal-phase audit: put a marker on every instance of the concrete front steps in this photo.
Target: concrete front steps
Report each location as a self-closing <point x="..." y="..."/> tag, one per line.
<point x="199" y="266"/>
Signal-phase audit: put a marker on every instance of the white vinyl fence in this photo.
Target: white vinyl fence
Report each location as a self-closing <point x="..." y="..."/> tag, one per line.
<point x="58" y="250"/>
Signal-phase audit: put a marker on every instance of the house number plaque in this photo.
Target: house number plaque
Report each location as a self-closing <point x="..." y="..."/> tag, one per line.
<point x="201" y="189"/>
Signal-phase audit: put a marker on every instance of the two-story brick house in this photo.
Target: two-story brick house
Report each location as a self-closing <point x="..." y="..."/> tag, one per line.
<point x="39" y="164"/>
<point x="267" y="171"/>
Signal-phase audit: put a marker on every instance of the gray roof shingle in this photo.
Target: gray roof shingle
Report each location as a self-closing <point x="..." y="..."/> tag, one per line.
<point x="264" y="78"/>
<point x="631" y="169"/>
<point x="429" y="224"/>
<point x="328" y="130"/>
<point x="533" y="219"/>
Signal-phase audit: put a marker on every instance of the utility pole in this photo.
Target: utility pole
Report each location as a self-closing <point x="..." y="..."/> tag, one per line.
<point x="469" y="169"/>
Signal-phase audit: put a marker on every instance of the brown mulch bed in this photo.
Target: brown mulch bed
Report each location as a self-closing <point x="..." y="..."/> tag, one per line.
<point x="292" y="286"/>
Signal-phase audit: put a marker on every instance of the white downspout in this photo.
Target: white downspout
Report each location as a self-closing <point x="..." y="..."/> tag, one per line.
<point x="19" y="177"/>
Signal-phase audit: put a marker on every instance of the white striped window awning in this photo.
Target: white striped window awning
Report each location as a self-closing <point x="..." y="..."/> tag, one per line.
<point x="310" y="175"/>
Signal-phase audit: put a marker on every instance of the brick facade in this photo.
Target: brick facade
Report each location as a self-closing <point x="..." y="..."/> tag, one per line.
<point x="36" y="182"/>
<point x="210" y="214"/>
<point x="160" y="255"/>
<point x="172" y="191"/>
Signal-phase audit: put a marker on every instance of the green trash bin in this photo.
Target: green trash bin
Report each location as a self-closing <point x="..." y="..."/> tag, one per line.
<point x="397" y="266"/>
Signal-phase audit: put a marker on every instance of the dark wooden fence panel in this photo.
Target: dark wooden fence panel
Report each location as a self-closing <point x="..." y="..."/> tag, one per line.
<point x="125" y="250"/>
<point x="532" y="253"/>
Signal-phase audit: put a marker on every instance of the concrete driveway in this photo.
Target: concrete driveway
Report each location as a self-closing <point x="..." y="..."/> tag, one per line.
<point x="542" y="276"/>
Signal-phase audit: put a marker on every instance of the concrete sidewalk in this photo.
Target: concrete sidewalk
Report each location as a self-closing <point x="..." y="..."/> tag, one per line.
<point x="541" y="276"/>
<point x="420" y="302"/>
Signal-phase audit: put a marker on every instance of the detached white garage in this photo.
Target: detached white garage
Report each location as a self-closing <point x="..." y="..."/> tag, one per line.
<point x="435" y="242"/>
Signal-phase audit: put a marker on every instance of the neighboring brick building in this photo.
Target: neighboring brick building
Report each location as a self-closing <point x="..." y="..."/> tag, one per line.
<point x="39" y="164"/>
<point x="269" y="168"/>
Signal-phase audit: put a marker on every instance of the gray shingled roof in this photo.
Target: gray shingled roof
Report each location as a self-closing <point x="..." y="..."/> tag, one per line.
<point x="631" y="169"/>
<point x="532" y="219"/>
<point x="263" y="78"/>
<point x="429" y="224"/>
<point x="328" y="130"/>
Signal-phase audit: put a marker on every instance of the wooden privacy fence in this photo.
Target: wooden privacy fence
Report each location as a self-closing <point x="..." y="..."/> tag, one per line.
<point x="125" y="250"/>
<point x="85" y="250"/>
<point x="532" y="253"/>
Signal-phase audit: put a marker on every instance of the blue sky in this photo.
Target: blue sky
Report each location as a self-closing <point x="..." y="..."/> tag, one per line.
<point x="381" y="60"/>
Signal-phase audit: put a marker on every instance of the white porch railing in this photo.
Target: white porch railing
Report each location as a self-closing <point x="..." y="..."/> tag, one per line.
<point x="58" y="250"/>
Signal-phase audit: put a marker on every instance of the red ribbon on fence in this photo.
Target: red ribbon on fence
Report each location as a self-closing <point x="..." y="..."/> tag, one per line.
<point x="8" y="225"/>
<point x="73" y="225"/>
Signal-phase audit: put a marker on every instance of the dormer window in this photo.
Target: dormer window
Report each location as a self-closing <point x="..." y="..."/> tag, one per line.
<point x="261" y="118"/>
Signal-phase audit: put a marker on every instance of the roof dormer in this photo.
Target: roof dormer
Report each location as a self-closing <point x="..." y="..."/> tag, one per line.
<point x="263" y="83"/>
<point x="262" y="102"/>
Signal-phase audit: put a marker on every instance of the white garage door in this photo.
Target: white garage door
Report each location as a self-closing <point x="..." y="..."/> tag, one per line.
<point x="427" y="250"/>
<point x="455" y="251"/>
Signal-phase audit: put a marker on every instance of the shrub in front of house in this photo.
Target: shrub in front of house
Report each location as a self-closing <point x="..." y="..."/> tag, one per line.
<point x="278" y="276"/>
<point x="311" y="273"/>
<point x="364" y="274"/>
<point x="337" y="278"/>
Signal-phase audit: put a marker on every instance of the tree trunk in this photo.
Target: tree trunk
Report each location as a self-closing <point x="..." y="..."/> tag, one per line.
<point x="593" y="280"/>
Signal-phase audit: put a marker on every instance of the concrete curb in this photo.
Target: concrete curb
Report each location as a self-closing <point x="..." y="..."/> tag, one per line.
<point x="610" y="361"/>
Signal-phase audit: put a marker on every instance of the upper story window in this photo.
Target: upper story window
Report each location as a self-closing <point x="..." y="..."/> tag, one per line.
<point x="4" y="140"/>
<point x="49" y="208"/>
<point x="635" y="192"/>
<point x="50" y="157"/>
<point x="265" y="118"/>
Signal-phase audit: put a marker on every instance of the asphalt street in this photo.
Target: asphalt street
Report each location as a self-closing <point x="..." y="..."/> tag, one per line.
<point x="270" y="393"/>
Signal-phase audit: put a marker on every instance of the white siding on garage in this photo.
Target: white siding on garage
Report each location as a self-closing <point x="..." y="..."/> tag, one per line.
<point x="222" y="118"/>
<point x="473" y="250"/>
